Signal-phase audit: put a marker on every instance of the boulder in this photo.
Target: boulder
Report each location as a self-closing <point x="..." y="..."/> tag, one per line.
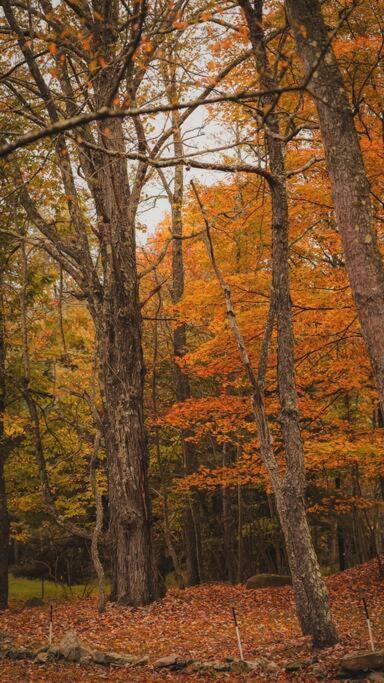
<point x="220" y="666"/>
<point x="42" y="657"/>
<point x="20" y="653"/>
<point x="268" y="581"/>
<point x="210" y="665"/>
<point x="239" y="666"/>
<point x="116" y="659"/>
<point x="363" y="661"/>
<point x="72" y="649"/>
<point x="296" y="665"/>
<point x="173" y="662"/>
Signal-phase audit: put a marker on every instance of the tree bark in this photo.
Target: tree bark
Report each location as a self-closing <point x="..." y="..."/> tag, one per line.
<point x="310" y="591"/>
<point x="4" y="517"/>
<point x="350" y="186"/>
<point x="118" y="330"/>
<point x="98" y="528"/>
<point x="191" y="512"/>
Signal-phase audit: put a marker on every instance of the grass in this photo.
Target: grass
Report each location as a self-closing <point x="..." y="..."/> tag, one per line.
<point x="21" y="589"/>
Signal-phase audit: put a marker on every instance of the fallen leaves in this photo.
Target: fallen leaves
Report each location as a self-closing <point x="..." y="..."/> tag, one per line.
<point x="197" y="623"/>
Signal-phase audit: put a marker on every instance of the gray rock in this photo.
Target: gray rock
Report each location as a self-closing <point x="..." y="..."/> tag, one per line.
<point x="239" y="666"/>
<point x="221" y="666"/>
<point x="72" y="649"/>
<point x="296" y="665"/>
<point x="174" y="662"/>
<point x="210" y="665"/>
<point x="363" y="661"/>
<point x="140" y="661"/>
<point x="42" y="657"/>
<point x="20" y="653"/>
<point x="116" y="659"/>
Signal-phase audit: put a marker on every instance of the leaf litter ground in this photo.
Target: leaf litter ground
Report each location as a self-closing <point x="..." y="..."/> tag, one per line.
<point x="196" y="623"/>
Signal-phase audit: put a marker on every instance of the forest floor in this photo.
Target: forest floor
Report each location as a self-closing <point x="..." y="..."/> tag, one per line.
<point x="197" y="624"/>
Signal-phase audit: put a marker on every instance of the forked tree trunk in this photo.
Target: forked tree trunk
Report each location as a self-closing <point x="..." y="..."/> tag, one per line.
<point x="310" y="591"/>
<point x="4" y="517"/>
<point x="350" y="186"/>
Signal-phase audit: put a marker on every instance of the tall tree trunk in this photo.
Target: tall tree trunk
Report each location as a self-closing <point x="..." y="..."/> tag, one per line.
<point x="119" y="336"/>
<point x="98" y="528"/>
<point x="163" y="484"/>
<point x="341" y="550"/>
<point x="113" y="298"/>
<point x="239" y="534"/>
<point x="227" y="521"/>
<point x="310" y="591"/>
<point x="4" y="517"/>
<point x="350" y="186"/>
<point x="122" y="382"/>
<point x="191" y="512"/>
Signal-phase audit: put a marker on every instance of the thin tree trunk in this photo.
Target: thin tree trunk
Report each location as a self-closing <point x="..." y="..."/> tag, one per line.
<point x="227" y="521"/>
<point x="98" y="528"/>
<point x="239" y="535"/>
<point x="340" y="537"/>
<point x="191" y="517"/>
<point x="350" y="186"/>
<point x="310" y="593"/>
<point x="4" y="517"/>
<point x="164" y="492"/>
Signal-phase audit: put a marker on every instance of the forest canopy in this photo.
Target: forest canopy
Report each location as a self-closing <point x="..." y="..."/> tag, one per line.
<point x="191" y="294"/>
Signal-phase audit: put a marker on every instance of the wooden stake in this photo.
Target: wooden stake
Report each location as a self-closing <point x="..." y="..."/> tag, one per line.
<point x="369" y="625"/>
<point x="238" y="634"/>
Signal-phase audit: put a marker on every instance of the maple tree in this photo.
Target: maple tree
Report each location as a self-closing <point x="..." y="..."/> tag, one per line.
<point x="197" y="402"/>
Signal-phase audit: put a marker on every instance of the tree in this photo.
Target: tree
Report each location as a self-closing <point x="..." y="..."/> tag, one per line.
<point x="350" y="186"/>
<point x="310" y="591"/>
<point x="111" y="290"/>
<point x="192" y="536"/>
<point x="4" y="517"/>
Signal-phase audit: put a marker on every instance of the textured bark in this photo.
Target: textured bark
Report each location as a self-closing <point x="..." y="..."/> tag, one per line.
<point x="118" y="329"/>
<point x="310" y="591"/>
<point x="191" y="520"/>
<point x="98" y="528"/>
<point x="350" y="186"/>
<point x="4" y="517"/>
